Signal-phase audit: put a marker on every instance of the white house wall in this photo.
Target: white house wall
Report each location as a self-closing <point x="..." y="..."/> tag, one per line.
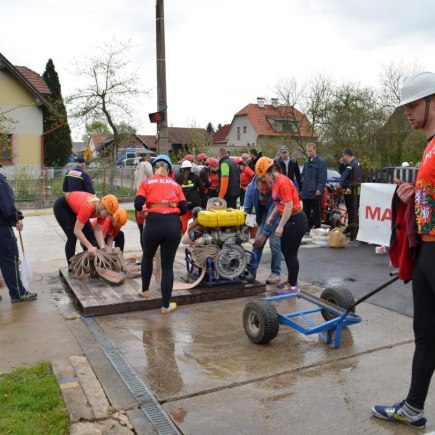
<point x="248" y="139"/>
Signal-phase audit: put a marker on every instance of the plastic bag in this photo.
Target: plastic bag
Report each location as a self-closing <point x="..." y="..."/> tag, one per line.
<point x="336" y="238"/>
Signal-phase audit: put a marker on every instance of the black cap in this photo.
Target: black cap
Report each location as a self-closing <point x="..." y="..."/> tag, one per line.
<point x="80" y="160"/>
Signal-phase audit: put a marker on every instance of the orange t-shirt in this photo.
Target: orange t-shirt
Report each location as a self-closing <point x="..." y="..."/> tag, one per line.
<point x="283" y="190"/>
<point x="108" y="228"/>
<point x="84" y="209"/>
<point x="425" y="192"/>
<point x="161" y="190"/>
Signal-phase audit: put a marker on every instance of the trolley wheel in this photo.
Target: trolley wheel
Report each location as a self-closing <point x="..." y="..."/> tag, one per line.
<point x="260" y="321"/>
<point x="341" y="297"/>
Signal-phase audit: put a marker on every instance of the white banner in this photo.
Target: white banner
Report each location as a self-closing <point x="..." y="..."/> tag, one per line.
<point x="375" y="213"/>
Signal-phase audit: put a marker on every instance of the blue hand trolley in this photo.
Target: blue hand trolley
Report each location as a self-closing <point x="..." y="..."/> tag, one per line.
<point x="337" y="306"/>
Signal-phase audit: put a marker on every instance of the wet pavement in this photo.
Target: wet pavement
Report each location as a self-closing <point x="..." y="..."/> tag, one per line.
<point x="200" y="364"/>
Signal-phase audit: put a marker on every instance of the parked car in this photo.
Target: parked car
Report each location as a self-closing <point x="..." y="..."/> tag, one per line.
<point x="133" y="161"/>
<point x="332" y="176"/>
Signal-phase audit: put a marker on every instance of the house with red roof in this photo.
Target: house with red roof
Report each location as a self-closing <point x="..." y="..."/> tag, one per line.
<point x="268" y="126"/>
<point x="23" y="105"/>
<point x="179" y="139"/>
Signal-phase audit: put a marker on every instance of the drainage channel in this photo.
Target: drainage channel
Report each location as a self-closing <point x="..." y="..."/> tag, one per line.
<point x="146" y="399"/>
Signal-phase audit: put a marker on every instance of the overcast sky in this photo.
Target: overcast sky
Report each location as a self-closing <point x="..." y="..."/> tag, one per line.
<point x="221" y="55"/>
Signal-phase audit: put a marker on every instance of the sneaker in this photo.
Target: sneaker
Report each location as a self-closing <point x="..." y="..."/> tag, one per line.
<point x="273" y="279"/>
<point x="172" y="307"/>
<point x="396" y="412"/>
<point x="287" y="290"/>
<point x="282" y="285"/>
<point x="25" y="297"/>
<point x="145" y="294"/>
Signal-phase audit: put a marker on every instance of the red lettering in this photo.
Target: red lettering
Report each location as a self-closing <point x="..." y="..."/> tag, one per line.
<point x="375" y="214"/>
<point x="387" y="215"/>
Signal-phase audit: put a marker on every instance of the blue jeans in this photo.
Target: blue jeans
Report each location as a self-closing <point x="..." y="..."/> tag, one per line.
<point x="275" y="248"/>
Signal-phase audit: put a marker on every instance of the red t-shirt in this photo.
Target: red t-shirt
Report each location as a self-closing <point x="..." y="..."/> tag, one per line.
<point x="425" y="192"/>
<point x="80" y="204"/>
<point x="108" y="228"/>
<point x="214" y="179"/>
<point x="161" y="190"/>
<point x="246" y="176"/>
<point x="283" y="190"/>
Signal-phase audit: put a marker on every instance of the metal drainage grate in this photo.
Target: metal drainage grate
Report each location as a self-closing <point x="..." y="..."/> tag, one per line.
<point x="147" y="401"/>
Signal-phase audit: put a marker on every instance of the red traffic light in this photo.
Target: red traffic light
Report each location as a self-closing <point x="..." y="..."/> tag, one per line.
<point x="157" y="116"/>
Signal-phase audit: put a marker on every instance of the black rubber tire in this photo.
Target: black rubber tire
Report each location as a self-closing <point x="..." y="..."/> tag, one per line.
<point x="260" y="321"/>
<point x="342" y="297"/>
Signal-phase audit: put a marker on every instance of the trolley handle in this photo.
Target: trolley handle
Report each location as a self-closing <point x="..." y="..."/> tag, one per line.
<point x="368" y="295"/>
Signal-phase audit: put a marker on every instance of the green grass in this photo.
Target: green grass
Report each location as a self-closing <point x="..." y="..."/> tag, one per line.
<point x="132" y="215"/>
<point x="31" y="402"/>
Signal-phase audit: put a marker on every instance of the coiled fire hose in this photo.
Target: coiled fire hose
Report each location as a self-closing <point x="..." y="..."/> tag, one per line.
<point x="110" y="266"/>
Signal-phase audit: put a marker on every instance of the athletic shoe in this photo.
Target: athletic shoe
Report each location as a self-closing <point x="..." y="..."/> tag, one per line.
<point x="25" y="297"/>
<point x="172" y="307"/>
<point x="397" y="412"/>
<point x="282" y="284"/>
<point x="287" y="290"/>
<point x="145" y="294"/>
<point x="273" y="279"/>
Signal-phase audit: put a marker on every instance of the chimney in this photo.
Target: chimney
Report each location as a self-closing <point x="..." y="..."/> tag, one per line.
<point x="275" y="102"/>
<point x="260" y="102"/>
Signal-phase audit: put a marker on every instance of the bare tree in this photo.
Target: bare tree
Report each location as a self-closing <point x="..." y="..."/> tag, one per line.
<point x="109" y="91"/>
<point x="290" y="92"/>
<point x="391" y="79"/>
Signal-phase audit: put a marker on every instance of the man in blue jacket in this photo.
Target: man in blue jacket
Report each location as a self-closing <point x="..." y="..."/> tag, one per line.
<point x="9" y="257"/>
<point x="259" y="197"/>
<point x="314" y="176"/>
<point x="77" y="179"/>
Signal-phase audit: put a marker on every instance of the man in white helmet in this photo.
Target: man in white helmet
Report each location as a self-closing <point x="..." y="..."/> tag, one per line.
<point x="418" y="99"/>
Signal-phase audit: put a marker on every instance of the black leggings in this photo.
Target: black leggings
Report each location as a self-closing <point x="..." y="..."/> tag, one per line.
<point x="294" y="230"/>
<point x="162" y="230"/>
<point x="66" y="218"/>
<point x="423" y="291"/>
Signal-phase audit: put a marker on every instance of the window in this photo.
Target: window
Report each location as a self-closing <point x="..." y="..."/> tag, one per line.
<point x="287" y="127"/>
<point x="6" y="148"/>
<point x="238" y="133"/>
<point x="245" y="129"/>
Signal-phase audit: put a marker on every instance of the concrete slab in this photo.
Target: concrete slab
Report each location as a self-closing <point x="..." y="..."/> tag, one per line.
<point x="202" y="348"/>
<point x="335" y="397"/>
<point x="36" y="330"/>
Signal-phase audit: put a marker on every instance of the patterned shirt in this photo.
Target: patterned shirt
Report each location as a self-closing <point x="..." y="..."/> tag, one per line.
<point x="425" y="192"/>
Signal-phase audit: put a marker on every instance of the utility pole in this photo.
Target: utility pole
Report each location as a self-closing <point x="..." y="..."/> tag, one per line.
<point x="162" y="105"/>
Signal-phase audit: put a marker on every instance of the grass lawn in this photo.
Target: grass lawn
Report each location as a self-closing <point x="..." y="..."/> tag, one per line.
<point x="31" y="402"/>
<point x="132" y="215"/>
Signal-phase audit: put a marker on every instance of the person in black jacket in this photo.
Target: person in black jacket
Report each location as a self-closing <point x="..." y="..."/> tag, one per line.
<point x="77" y="179"/>
<point x="193" y="190"/>
<point x="254" y="156"/>
<point x="9" y="255"/>
<point x="289" y="167"/>
<point x="229" y="179"/>
<point x="348" y="163"/>
<point x="314" y="176"/>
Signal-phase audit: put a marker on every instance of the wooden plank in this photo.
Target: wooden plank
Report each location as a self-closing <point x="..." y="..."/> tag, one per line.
<point x="96" y="297"/>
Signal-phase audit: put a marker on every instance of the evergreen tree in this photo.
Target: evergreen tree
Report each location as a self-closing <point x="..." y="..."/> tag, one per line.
<point x="210" y="128"/>
<point x="57" y="144"/>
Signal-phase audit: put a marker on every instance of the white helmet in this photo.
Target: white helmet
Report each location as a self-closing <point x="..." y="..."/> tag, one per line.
<point x="417" y="86"/>
<point x="186" y="164"/>
<point x="405" y="164"/>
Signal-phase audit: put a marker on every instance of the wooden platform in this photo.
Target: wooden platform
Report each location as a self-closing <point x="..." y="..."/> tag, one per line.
<point x="96" y="297"/>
